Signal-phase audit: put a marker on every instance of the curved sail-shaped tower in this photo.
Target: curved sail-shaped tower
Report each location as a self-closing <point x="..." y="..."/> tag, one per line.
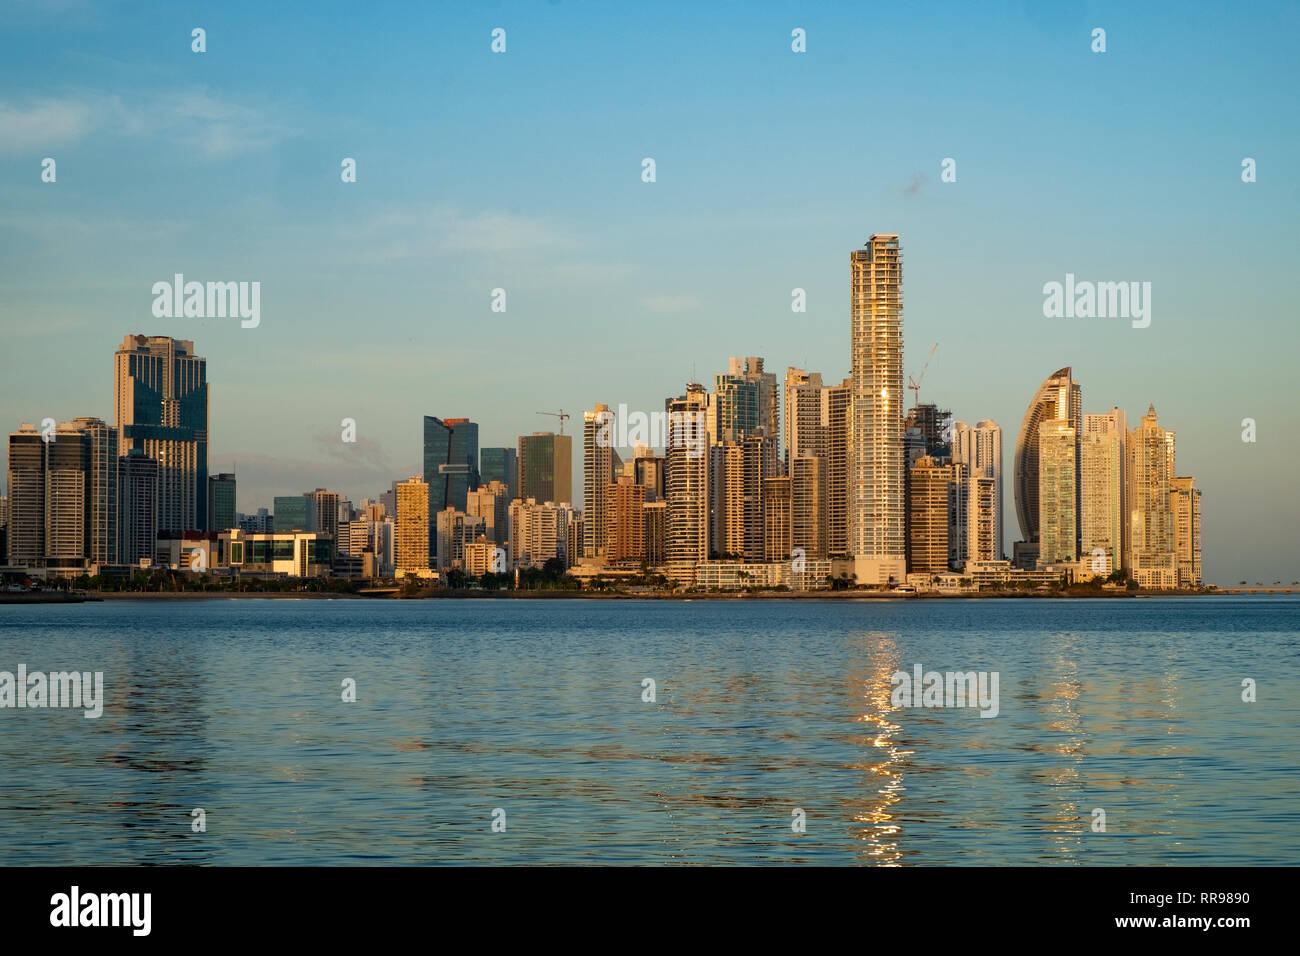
<point x="1058" y="397"/>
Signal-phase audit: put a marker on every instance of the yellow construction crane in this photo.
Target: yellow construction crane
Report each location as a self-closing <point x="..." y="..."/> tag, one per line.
<point x="561" y="415"/>
<point x="915" y="383"/>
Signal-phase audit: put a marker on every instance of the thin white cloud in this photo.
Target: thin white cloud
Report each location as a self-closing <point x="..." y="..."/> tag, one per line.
<point x="216" y="127"/>
<point x="43" y="125"/>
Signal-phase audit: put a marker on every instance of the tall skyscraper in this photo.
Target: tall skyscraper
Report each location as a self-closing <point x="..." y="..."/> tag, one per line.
<point x="876" y="505"/>
<point x="777" y="518"/>
<point x="980" y="450"/>
<point x="687" y="476"/>
<point x="137" y="509"/>
<point x="747" y="463"/>
<point x="26" y="497"/>
<point x="929" y="499"/>
<point x="1058" y="398"/>
<point x="625" y="524"/>
<point x="411" y="528"/>
<point x="837" y="412"/>
<point x="807" y="505"/>
<point x="161" y="407"/>
<point x="1153" y="561"/>
<point x="601" y="464"/>
<point x="221" y="502"/>
<point x="1185" y="501"/>
<point x="1101" y="491"/>
<point x="101" y="490"/>
<point x="1057" y="492"/>
<point x="325" y="506"/>
<point x="546" y="467"/>
<point x="450" y="465"/>
<point x="500" y="464"/>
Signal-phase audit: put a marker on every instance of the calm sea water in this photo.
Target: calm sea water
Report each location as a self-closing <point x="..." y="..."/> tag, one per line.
<point x="535" y="707"/>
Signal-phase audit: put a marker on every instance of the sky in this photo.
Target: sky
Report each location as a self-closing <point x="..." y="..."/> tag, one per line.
<point x="522" y="171"/>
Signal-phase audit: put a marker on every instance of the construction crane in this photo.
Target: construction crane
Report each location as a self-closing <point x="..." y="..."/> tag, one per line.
<point x="915" y="383"/>
<point x="561" y="415"/>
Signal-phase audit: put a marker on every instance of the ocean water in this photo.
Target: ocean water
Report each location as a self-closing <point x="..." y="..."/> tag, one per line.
<point x="535" y="709"/>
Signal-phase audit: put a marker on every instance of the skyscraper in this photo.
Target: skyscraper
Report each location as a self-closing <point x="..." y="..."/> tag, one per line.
<point x="1057" y="492"/>
<point x="546" y="467"/>
<point x="807" y="505"/>
<point x="929" y="499"/>
<point x="101" y="490"/>
<point x="411" y="530"/>
<point x="1059" y="397"/>
<point x="980" y="450"/>
<point x="1185" y="501"/>
<point x="137" y="508"/>
<point x="1101" y="491"/>
<point x="837" y="412"/>
<point x="491" y="502"/>
<point x="687" y="476"/>
<point x="1153" y="560"/>
<point x="601" y="464"/>
<point x="876" y="503"/>
<point x="500" y="464"/>
<point x="221" y="502"/>
<point x="450" y="465"/>
<point x="161" y="407"/>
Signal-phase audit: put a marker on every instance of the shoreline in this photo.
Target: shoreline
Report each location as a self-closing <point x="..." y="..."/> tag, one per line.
<point x="507" y="595"/>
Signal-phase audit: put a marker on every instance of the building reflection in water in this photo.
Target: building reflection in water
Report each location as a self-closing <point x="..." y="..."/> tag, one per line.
<point x="874" y="813"/>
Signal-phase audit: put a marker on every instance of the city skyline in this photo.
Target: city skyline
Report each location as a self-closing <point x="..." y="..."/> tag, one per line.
<point x="390" y="286"/>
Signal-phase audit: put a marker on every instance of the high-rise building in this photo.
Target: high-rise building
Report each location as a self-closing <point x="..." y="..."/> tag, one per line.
<point x="411" y="528"/>
<point x="1185" y="499"/>
<point x="929" y="497"/>
<point x="1101" y="491"/>
<point x="26" y="497"/>
<point x="980" y="450"/>
<point x="546" y="467"/>
<point x="876" y="504"/>
<point x="648" y="470"/>
<point x="601" y="464"/>
<point x="1058" y="398"/>
<point x="101" y="490"/>
<point x="325" y="508"/>
<point x="456" y="530"/>
<point x="837" y="412"/>
<point x="687" y="480"/>
<point x="221" y="502"/>
<point x="746" y="464"/>
<point x="539" y="531"/>
<point x="936" y="427"/>
<point x="59" y="512"/>
<point x="161" y="407"/>
<point x="137" y="508"/>
<point x="625" y="522"/>
<point x="450" y="465"/>
<point x="1153" y="560"/>
<point x="500" y="464"/>
<point x="777" y="525"/>
<point x="295" y="513"/>
<point x="808" y="505"/>
<point x="805" y="425"/>
<point x="656" y="533"/>
<point x="1058" y="472"/>
<point x="491" y="502"/>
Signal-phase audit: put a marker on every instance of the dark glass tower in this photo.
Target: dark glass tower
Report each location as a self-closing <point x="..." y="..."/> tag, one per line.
<point x="450" y="466"/>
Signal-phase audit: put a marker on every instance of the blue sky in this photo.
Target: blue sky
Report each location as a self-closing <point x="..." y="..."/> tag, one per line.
<point x="522" y="171"/>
